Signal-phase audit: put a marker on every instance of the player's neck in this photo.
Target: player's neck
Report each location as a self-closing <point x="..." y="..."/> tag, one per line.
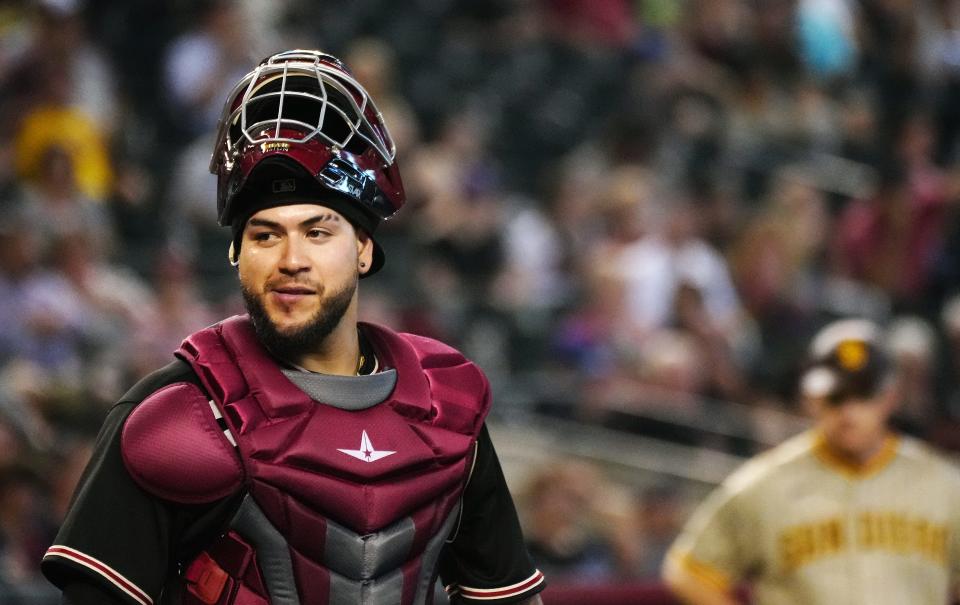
<point x="862" y="457"/>
<point x="338" y="354"/>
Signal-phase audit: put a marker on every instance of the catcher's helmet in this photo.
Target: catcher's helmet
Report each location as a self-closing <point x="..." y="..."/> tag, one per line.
<point x="300" y="128"/>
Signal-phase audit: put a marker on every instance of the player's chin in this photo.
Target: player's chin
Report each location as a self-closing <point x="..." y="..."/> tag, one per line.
<point x="853" y="444"/>
<point x="290" y="320"/>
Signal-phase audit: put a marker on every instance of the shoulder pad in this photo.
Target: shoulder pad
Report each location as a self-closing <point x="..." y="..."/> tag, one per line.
<point x="433" y="353"/>
<point x="454" y="380"/>
<point x="173" y="447"/>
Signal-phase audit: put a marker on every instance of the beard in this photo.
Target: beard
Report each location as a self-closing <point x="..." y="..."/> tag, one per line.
<point x="294" y="343"/>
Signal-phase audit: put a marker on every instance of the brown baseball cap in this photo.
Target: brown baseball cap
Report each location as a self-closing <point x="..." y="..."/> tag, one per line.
<point x="846" y="360"/>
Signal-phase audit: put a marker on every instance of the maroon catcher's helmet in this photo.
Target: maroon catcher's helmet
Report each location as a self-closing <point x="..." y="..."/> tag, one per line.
<point x="300" y="128"/>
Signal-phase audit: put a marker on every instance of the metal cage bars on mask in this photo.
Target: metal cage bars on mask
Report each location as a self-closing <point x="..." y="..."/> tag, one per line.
<point x="328" y="73"/>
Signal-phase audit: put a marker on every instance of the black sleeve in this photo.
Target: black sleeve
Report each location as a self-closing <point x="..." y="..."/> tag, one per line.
<point x="116" y="537"/>
<point x="487" y="560"/>
<point x="81" y="593"/>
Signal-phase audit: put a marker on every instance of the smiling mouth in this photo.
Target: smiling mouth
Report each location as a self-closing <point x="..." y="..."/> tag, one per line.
<point x="294" y="290"/>
<point x="288" y="297"/>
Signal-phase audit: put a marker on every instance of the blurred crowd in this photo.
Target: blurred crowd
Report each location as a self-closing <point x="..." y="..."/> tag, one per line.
<point x="619" y="208"/>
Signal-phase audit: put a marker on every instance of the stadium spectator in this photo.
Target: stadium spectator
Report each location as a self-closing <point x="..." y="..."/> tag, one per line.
<point x="565" y="531"/>
<point x="53" y="123"/>
<point x="220" y="44"/>
<point x="912" y="343"/>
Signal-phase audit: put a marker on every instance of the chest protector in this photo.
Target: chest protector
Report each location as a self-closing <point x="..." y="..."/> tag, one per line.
<point x="342" y="507"/>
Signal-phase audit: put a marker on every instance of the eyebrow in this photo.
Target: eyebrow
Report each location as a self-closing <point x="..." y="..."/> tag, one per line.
<point x="313" y="220"/>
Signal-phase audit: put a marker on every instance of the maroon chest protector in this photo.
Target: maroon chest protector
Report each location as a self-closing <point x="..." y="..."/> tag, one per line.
<point x="342" y="507"/>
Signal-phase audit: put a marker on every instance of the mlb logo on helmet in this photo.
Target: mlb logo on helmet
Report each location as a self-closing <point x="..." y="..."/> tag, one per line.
<point x="284" y="185"/>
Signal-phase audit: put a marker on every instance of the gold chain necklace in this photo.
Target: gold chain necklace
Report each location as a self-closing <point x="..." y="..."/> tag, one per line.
<point x="360" y="358"/>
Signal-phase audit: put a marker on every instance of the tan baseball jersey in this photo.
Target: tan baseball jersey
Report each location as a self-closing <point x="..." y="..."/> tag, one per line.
<point x="806" y="528"/>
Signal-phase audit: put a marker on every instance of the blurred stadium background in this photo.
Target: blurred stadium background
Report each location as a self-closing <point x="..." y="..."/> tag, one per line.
<point x="632" y="213"/>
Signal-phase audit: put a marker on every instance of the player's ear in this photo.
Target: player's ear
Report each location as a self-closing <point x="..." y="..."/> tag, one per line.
<point x="364" y="251"/>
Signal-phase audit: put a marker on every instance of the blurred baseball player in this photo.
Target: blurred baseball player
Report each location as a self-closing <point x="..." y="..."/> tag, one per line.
<point x="296" y="455"/>
<point x="845" y="513"/>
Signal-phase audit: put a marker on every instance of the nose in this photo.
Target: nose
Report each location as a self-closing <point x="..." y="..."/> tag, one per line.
<point x="293" y="259"/>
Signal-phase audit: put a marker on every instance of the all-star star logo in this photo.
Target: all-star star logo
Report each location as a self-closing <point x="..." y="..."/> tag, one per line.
<point x="367" y="452"/>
